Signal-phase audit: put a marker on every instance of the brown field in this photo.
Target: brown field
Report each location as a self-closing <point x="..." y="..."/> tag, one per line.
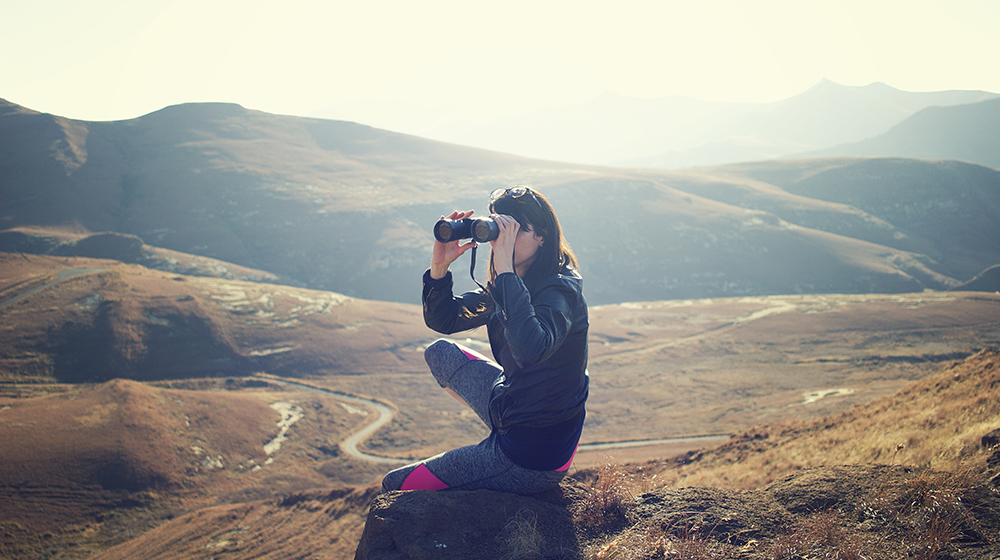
<point x="93" y="465"/>
<point x="88" y="465"/>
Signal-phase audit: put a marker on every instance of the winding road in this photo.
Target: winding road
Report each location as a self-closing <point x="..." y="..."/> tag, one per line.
<point x="62" y="276"/>
<point x="386" y="413"/>
<point x="350" y="445"/>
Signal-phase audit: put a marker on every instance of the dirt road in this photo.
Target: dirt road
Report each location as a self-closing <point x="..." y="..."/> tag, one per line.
<point x="385" y="415"/>
<point x="62" y="276"/>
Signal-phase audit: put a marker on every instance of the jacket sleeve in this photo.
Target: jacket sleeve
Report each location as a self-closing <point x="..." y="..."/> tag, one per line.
<point x="447" y="314"/>
<point x="534" y="329"/>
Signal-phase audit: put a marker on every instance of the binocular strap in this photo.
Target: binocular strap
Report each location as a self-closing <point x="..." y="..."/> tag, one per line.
<point x="472" y="268"/>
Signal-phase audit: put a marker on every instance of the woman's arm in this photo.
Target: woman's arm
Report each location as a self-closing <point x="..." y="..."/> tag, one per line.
<point x="443" y="312"/>
<point x="447" y="314"/>
<point x="534" y="329"/>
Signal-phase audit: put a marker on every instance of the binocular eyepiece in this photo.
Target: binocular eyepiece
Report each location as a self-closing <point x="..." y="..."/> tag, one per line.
<point x="479" y="229"/>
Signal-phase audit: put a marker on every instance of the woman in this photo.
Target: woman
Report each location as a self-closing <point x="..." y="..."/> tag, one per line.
<point x="532" y="396"/>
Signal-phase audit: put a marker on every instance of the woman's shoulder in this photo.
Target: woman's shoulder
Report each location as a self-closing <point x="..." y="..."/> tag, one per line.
<point x="567" y="280"/>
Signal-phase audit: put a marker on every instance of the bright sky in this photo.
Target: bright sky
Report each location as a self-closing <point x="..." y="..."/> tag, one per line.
<point x="387" y="62"/>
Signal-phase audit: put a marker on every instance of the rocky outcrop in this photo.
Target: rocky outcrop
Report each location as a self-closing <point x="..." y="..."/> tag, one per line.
<point x="832" y="512"/>
<point x="471" y="525"/>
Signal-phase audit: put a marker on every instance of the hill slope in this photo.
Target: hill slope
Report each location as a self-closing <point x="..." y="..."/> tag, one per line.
<point x="346" y="208"/>
<point x="938" y="422"/>
<point x="853" y="511"/>
<point x="86" y="467"/>
<point x="969" y="132"/>
<point x="109" y="320"/>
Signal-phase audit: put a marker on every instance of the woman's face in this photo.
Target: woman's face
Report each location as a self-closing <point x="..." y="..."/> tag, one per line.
<point x="526" y="248"/>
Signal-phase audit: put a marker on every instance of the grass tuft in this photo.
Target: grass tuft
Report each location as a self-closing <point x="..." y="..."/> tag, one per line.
<point x="521" y="537"/>
<point x="610" y="499"/>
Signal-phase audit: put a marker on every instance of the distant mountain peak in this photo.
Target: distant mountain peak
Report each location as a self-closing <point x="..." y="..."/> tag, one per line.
<point x="826" y="83"/>
<point x="208" y="109"/>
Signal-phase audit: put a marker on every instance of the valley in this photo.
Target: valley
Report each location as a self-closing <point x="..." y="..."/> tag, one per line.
<point x="664" y="374"/>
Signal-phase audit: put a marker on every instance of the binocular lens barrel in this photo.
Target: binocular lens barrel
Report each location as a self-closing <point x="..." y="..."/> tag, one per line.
<point x="480" y="229"/>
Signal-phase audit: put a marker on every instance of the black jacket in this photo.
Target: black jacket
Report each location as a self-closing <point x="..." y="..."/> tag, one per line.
<point x="540" y="340"/>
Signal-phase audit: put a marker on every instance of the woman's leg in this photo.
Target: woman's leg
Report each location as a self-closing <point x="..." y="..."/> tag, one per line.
<point x="470" y="375"/>
<point x="465" y="373"/>
<point x="475" y="467"/>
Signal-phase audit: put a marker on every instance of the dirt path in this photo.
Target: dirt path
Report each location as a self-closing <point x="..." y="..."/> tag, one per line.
<point x="777" y="306"/>
<point x="602" y="445"/>
<point x="386" y="414"/>
<point x="350" y="445"/>
<point x="62" y="276"/>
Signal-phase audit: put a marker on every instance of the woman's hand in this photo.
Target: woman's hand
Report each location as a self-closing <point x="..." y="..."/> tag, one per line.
<point x="503" y="245"/>
<point x="446" y="253"/>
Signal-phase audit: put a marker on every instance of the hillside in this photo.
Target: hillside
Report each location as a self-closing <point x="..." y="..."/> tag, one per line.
<point x="909" y="205"/>
<point x="108" y="320"/>
<point x="86" y="467"/>
<point x="695" y="366"/>
<point x="911" y="475"/>
<point x="969" y="132"/>
<point x="342" y="207"/>
<point x="938" y="422"/>
<point x="829" y="496"/>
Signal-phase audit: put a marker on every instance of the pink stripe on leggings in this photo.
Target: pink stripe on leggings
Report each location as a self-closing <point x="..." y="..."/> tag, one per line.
<point x="570" y="462"/>
<point x="471" y="355"/>
<point x="422" y="479"/>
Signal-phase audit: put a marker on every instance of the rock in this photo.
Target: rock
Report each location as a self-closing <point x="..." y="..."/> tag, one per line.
<point x="734" y="516"/>
<point x="991" y="439"/>
<point x="824" y="488"/>
<point x="469" y="525"/>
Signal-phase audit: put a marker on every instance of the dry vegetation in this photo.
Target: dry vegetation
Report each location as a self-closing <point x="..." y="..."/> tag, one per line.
<point x="94" y="465"/>
<point x="930" y="496"/>
<point x="936" y="423"/>
<point x="119" y="461"/>
<point x="893" y="512"/>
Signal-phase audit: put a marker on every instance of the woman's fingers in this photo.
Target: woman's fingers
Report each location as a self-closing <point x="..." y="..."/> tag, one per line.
<point x="459" y="215"/>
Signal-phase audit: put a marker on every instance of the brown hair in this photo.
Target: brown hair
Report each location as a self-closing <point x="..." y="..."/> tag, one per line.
<point x="555" y="255"/>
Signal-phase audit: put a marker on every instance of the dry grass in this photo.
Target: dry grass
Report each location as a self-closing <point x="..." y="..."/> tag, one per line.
<point x="609" y="501"/>
<point x="820" y="535"/>
<point x="521" y="537"/>
<point x="920" y="514"/>
<point x="922" y="511"/>
<point x="930" y="509"/>
<point x="936" y="423"/>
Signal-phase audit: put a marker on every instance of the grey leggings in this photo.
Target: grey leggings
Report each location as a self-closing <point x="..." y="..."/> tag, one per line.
<point x="474" y="467"/>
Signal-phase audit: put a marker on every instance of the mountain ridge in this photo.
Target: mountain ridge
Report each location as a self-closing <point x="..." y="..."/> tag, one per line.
<point x="344" y="207"/>
<point x="962" y="132"/>
<point x="677" y="131"/>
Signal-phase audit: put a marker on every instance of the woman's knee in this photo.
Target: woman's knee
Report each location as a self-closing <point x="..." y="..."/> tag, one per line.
<point x="444" y="357"/>
<point x="393" y="480"/>
<point x="412" y="477"/>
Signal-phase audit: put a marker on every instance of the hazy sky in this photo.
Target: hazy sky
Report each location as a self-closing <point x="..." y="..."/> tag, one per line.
<point x="386" y="62"/>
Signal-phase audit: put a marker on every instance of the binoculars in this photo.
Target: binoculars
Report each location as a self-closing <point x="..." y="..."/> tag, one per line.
<point x="479" y="229"/>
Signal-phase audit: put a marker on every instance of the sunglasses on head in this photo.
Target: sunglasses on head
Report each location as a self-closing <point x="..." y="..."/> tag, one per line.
<point x="513" y="192"/>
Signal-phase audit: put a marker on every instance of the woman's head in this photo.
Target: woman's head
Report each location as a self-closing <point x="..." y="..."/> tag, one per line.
<point x="532" y="210"/>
